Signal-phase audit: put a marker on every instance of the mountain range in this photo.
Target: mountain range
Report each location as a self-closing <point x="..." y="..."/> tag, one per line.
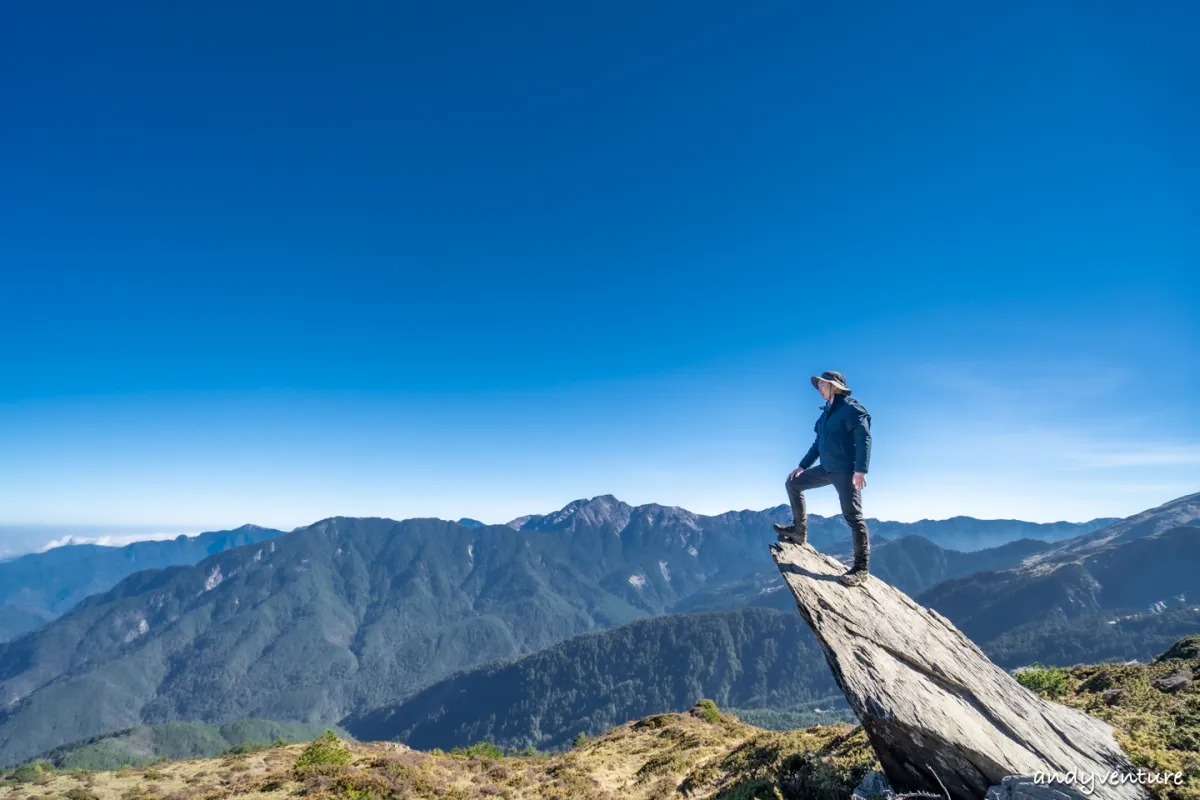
<point x="351" y="614"/>
<point x="911" y="564"/>
<point x="752" y="657"/>
<point x="346" y="616"/>
<point x="967" y="534"/>
<point x="756" y="658"/>
<point x="37" y="587"/>
<point x="1133" y="564"/>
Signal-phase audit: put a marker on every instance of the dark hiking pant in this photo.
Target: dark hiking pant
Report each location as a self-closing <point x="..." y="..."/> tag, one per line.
<point x="850" y="498"/>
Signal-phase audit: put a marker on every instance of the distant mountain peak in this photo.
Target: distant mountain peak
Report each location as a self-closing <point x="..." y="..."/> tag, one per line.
<point x="600" y="511"/>
<point x="1182" y="511"/>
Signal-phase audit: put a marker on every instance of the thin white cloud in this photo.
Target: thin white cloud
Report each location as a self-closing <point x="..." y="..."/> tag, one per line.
<point x="1134" y="457"/>
<point x="1081" y="449"/>
<point x="109" y="541"/>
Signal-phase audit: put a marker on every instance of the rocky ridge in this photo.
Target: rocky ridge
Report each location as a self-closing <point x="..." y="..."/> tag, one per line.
<point x="940" y="715"/>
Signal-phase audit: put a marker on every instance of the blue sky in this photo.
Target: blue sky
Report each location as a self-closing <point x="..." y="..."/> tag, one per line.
<point x="273" y="262"/>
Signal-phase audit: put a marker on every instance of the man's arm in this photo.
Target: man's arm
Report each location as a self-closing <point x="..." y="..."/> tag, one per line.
<point x="809" y="457"/>
<point x="862" y="443"/>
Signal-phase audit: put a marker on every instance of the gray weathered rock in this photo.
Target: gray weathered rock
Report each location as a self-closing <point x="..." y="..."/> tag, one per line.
<point x="936" y="710"/>
<point x="873" y="784"/>
<point x="1175" y="681"/>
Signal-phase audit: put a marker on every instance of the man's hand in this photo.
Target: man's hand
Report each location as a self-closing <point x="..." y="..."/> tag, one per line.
<point x="795" y="473"/>
<point x="859" y="480"/>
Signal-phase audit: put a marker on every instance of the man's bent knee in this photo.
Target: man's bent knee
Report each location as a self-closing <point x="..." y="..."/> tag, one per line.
<point x="797" y="484"/>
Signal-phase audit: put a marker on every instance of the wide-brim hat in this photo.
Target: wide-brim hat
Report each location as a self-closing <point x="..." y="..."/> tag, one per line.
<point x="836" y="378"/>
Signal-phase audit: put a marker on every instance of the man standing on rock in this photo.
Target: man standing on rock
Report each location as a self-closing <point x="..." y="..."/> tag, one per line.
<point x="843" y="444"/>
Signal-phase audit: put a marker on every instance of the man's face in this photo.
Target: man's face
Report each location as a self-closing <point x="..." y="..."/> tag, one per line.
<point x="826" y="389"/>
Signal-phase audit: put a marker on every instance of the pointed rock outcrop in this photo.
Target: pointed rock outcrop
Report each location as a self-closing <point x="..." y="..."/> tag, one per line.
<point x="940" y="715"/>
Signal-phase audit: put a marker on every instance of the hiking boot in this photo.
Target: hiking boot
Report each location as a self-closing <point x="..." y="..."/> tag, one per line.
<point x="857" y="574"/>
<point x="787" y="533"/>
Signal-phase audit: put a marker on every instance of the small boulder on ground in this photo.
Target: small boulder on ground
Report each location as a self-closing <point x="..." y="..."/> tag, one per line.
<point x="1174" y="682"/>
<point x="873" y="784"/>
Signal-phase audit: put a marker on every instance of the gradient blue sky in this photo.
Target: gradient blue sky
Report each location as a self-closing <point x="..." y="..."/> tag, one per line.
<point x="271" y="262"/>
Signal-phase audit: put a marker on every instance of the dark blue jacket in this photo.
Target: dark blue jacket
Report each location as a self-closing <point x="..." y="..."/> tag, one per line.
<point x="843" y="437"/>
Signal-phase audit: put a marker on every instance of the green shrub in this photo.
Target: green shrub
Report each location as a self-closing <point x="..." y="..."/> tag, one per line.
<point x="481" y="749"/>
<point x="363" y="786"/>
<point x="580" y="740"/>
<point x="31" y="772"/>
<point x="1185" y="649"/>
<point x="1046" y="681"/>
<point x="80" y="793"/>
<point x="707" y="710"/>
<point x="813" y="777"/>
<point x="326" y="750"/>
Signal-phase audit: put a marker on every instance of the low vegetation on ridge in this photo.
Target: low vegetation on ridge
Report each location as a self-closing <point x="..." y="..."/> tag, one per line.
<point x="1154" y="708"/>
<point x="705" y="752"/>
